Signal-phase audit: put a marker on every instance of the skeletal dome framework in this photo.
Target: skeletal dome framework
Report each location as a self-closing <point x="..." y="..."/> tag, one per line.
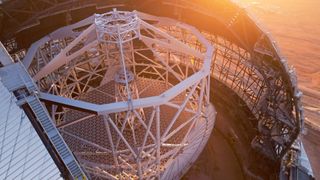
<point x="147" y="84"/>
<point x="85" y="85"/>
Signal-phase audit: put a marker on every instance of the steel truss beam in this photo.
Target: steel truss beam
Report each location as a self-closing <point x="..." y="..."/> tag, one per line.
<point x="69" y="69"/>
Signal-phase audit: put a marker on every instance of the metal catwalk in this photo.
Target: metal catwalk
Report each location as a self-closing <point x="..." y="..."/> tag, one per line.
<point x="142" y="78"/>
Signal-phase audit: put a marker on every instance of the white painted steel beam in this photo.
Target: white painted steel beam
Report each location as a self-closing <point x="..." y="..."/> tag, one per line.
<point x="123" y="106"/>
<point x="62" y="58"/>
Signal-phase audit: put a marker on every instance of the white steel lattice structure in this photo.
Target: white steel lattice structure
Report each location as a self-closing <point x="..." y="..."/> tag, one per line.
<point x="81" y="78"/>
<point x="129" y="93"/>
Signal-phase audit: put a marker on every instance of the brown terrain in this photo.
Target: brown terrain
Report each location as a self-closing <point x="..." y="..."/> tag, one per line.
<point x="295" y="25"/>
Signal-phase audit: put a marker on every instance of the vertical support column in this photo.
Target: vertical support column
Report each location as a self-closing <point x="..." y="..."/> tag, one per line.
<point x="158" y="140"/>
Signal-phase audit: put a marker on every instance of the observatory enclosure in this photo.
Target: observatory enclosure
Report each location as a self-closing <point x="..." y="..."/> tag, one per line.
<point x="132" y="89"/>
